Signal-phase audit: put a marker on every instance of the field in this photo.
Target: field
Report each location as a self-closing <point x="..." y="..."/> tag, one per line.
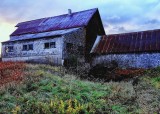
<point x="44" y="89"/>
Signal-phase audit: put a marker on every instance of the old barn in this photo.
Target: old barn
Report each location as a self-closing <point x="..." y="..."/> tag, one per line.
<point x="53" y="38"/>
<point x="137" y="49"/>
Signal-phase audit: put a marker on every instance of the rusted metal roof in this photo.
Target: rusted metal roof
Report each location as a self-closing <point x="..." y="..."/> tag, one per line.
<point x="77" y="19"/>
<point x="144" y="41"/>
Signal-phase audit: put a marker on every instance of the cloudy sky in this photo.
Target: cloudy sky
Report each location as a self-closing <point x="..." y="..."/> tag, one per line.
<point x="118" y="16"/>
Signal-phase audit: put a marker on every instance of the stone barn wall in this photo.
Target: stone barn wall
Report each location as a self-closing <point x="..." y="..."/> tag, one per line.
<point x="77" y="38"/>
<point x="145" y="60"/>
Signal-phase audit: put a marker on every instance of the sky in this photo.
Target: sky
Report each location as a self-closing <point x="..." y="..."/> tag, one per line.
<point x="118" y="16"/>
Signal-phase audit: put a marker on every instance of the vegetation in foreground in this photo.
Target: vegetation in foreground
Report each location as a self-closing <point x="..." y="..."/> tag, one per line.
<point x="45" y="90"/>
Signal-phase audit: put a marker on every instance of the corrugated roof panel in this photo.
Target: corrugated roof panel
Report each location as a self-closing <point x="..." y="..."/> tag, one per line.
<point x="154" y="40"/>
<point x="133" y="42"/>
<point x="144" y="41"/>
<point x="139" y="45"/>
<point x="97" y="49"/>
<point x="102" y="44"/>
<point x="125" y="43"/>
<point x="128" y="42"/>
<point x="41" y="35"/>
<point x="157" y="40"/>
<point x="116" y="46"/>
<point x="77" y="19"/>
<point x="108" y="44"/>
<point x="121" y="41"/>
<point x="111" y="44"/>
<point x="103" y="47"/>
<point x="114" y="43"/>
<point x="147" y="41"/>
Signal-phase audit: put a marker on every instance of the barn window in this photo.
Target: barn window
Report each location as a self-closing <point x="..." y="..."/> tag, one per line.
<point x="49" y="45"/>
<point x="9" y="49"/>
<point x="52" y="45"/>
<point x="30" y="47"/>
<point x="46" y="45"/>
<point x="24" y="47"/>
<point x="27" y="47"/>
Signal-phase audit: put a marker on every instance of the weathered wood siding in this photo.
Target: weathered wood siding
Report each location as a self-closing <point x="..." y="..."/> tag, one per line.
<point x="143" y="60"/>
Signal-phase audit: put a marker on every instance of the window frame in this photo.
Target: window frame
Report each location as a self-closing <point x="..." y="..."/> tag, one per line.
<point x="30" y="48"/>
<point x="27" y="48"/>
<point x="46" y="45"/>
<point x="49" y="45"/>
<point x="9" y="49"/>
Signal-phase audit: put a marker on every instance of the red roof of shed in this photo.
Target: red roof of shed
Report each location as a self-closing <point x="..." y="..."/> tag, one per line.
<point x="144" y="41"/>
<point x="77" y="19"/>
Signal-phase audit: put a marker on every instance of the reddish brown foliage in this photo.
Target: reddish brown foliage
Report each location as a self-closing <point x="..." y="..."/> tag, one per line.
<point x="130" y="72"/>
<point x="11" y="71"/>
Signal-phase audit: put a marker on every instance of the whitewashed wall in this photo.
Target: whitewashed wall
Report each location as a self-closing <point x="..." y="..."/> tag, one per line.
<point x="145" y="60"/>
<point x="38" y="54"/>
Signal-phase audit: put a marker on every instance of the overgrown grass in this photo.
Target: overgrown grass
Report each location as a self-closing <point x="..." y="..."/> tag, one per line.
<point x="152" y="76"/>
<point x="43" y="91"/>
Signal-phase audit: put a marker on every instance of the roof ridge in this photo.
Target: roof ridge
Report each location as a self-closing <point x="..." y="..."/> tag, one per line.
<point x="56" y="16"/>
<point x="133" y="32"/>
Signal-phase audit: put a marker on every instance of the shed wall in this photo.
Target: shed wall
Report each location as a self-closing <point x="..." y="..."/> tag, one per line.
<point x="145" y="60"/>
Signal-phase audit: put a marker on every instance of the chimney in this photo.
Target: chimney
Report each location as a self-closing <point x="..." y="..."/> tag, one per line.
<point x="69" y="11"/>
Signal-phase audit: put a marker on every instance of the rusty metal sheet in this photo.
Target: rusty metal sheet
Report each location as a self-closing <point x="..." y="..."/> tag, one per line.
<point x="157" y="40"/>
<point x="154" y="40"/>
<point x="105" y="49"/>
<point x="143" y="41"/>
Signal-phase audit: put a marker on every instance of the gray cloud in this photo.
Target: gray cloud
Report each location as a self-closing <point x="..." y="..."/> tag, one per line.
<point x="115" y="14"/>
<point x="152" y="21"/>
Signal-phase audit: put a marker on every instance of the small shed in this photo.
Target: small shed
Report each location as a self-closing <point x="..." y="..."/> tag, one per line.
<point x="128" y="50"/>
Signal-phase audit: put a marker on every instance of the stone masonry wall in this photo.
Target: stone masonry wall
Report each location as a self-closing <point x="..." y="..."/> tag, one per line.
<point x="145" y="60"/>
<point x="77" y="38"/>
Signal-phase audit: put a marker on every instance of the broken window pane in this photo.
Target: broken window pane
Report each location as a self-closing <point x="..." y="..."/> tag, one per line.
<point x="9" y="49"/>
<point x="24" y="47"/>
<point x="52" y="45"/>
<point x="46" y="45"/>
<point x="30" y="47"/>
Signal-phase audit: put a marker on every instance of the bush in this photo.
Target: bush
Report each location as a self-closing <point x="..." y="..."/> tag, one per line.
<point x="103" y="72"/>
<point x="11" y="72"/>
<point x="70" y="62"/>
